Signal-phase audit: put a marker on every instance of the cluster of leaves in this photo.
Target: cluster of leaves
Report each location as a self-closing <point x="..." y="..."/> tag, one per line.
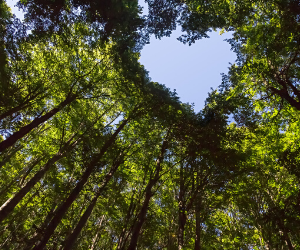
<point x="93" y="155"/>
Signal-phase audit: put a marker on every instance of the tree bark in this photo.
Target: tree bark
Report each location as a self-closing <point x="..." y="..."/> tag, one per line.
<point x="182" y="222"/>
<point x="74" y="235"/>
<point x="148" y="194"/>
<point x="29" y="169"/>
<point x="283" y="93"/>
<point x="96" y="236"/>
<point x="10" y="204"/>
<point x="198" y="224"/>
<point x="35" y="123"/>
<point x="18" y="108"/>
<point x="10" y="154"/>
<point x="285" y="234"/>
<point x="39" y="231"/>
<point x="181" y="211"/>
<point x="122" y="239"/>
<point x="60" y="212"/>
<point x="3" y="191"/>
<point x="141" y="217"/>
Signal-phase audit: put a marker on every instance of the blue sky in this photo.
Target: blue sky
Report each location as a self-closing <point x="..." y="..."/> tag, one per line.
<point x="191" y="70"/>
<point x="15" y="10"/>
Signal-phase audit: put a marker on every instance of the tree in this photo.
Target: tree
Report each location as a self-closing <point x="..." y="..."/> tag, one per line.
<point x="97" y="156"/>
<point x="265" y="38"/>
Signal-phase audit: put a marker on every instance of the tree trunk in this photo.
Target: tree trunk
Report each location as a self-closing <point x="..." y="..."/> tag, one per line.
<point x="10" y="154"/>
<point x="60" y="212"/>
<point x="283" y="93"/>
<point x="96" y="236"/>
<point x="141" y="217"/>
<point x="288" y="241"/>
<point x="74" y="235"/>
<point x="198" y="224"/>
<point x="35" y="123"/>
<point x="10" y="205"/>
<point x="181" y="211"/>
<point x="122" y="239"/>
<point x="298" y="202"/>
<point x="182" y="222"/>
<point x="18" y="108"/>
<point x="4" y="190"/>
<point x="39" y="231"/>
<point x="29" y="169"/>
<point x="148" y="194"/>
<point x="285" y="234"/>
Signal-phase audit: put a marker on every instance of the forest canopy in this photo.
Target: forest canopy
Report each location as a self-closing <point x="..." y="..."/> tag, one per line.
<point x="95" y="155"/>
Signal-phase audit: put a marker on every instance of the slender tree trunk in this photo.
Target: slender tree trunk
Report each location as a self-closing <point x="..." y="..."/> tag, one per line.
<point x="18" y="108"/>
<point x="298" y="202"/>
<point x="29" y="170"/>
<point x="4" y="76"/>
<point x="11" y="154"/>
<point x="148" y="194"/>
<point x="3" y="191"/>
<point x="198" y="224"/>
<point x="60" y="212"/>
<point x="21" y="214"/>
<point x="96" y="236"/>
<point x="182" y="222"/>
<point x="200" y="182"/>
<point x="10" y="205"/>
<point x="285" y="234"/>
<point x="181" y="212"/>
<point x="35" y="123"/>
<point x="39" y="231"/>
<point x="4" y="243"/>
<point x="122" y="239"/>
<point x="141" y="217"/>
<point x="288" y="241"/>
<point x="74" y="235"/>
<point x="12" y="111"/>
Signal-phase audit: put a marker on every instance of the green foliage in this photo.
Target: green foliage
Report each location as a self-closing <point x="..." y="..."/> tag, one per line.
<point x="130" y="166"/>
